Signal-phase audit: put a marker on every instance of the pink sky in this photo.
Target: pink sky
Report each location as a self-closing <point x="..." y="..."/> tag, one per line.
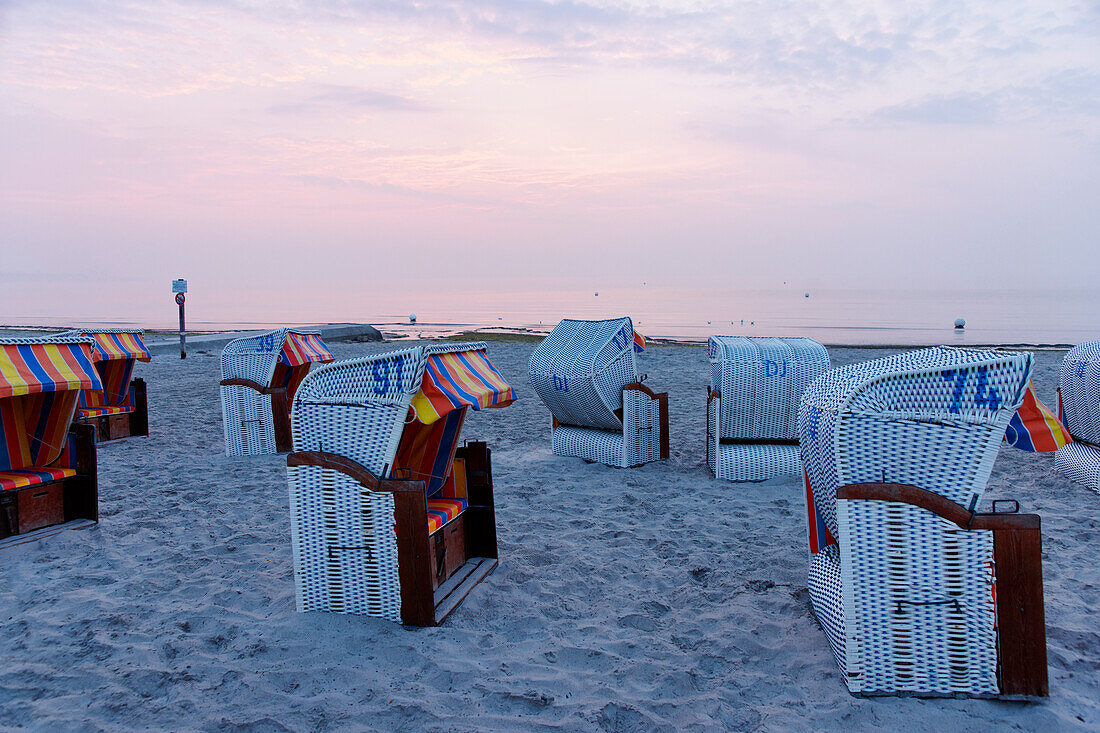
<point x="348" y="152"/>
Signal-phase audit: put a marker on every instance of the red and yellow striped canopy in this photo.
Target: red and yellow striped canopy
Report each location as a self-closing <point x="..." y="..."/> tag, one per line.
<point x="113" y="345"/>
<point x="303" y="348"/>
<point x="457" y="379"/>
<point x="46" y="367"/>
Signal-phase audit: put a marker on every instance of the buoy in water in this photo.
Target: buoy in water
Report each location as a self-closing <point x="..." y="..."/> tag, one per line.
<point x="597" y="293"/>
<point x="807" y="295"/>
<point x="412" y="318"/>
<point x="960" y="323"/>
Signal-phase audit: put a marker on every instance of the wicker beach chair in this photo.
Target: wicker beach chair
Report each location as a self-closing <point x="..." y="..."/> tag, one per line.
<point x="1079" y="400"/>
<point x="121" y="408"/>
<point x="585" y="373"/>
<point x="752" y="409"/>
<point x="260" y="375"/>
<point x="916" y="593"/>
<point x="47" y="463"/>
<point x="390" y="517"/>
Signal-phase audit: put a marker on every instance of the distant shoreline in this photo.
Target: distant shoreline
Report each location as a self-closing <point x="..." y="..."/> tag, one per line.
<point x="405" y="332"/>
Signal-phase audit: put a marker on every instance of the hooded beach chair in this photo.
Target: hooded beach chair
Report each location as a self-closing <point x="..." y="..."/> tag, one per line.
<point x="585" y="373"/>
<point x="752" y="409"/>
<point x="390" y="516"/>
<point x="916" y="593"/>
<point x="260" y="375"/>
<point x="1079" y="405"/>
<point x="47" y="463"/>
<point x="121" y="408"/>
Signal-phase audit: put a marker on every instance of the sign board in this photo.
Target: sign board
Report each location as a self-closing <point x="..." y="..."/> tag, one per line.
<point x="179" y="286"/>
<point x="180" y="297"/>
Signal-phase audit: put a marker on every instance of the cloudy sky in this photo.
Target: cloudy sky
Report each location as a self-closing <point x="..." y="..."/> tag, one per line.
<point x="350" y="150"/>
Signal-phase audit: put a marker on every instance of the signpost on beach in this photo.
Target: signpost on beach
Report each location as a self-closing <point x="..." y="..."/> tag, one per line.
<point x="179" y="287"/>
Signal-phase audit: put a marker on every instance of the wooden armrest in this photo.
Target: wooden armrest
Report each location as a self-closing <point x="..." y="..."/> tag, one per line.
<point x="639" y="387"/>
<point x="355" y="470"/>
<point x="938" y="505"/>
<point x="236" y="381"/>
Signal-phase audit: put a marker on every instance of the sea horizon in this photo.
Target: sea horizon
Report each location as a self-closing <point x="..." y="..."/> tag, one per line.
<point x="869" y="317"/>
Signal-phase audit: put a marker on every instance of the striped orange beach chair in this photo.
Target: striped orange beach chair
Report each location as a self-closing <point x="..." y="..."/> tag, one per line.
<point x="47" y="463"/>
<point x="121" y="408"/>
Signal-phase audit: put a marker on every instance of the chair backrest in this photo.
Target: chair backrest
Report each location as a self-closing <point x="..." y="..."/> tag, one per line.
<point x="400" y="409"/>
<point x="1079" y="389"/>
<point x="116" y="352"/>
<point x="760" y="380"/>
<point x="258" y="357"/>
<point x="580" y="370"/>
<point x="40" y="379"/>
<point x="932" y="418"/>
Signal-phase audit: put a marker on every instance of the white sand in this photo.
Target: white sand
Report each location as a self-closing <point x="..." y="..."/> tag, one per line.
<point x="642" y="599"/>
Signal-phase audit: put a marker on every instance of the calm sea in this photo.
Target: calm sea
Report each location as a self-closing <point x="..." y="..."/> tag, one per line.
<point x="870" y="317"/>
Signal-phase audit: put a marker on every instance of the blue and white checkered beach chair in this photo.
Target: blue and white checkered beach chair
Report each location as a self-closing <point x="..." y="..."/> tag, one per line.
<point x="1079" y="396"/>
<point x="752" y="408"/>
<point x="915" y="593"/>
<point x="586" y="374"/>
<point x="391" y="514"/>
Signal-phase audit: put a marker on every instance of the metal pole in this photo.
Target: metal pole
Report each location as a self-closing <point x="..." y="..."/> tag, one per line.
<point x="183" y="336"/>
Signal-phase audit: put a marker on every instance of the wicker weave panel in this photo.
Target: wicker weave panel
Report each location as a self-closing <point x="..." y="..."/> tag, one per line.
<point x="1079" y="386"/>
<point x="1080" y="463"/>
<point x="345" y="549"/>
<point x="591" y="444"/>
<point x="755" y="462"/>
<point x="247" y="422"/>
<point x="918" y="602"/>
<point x="761" y="380"/>
<point x="713" y="408"/>
<point x="827" y="599"/>
<point x="580" y="369"/>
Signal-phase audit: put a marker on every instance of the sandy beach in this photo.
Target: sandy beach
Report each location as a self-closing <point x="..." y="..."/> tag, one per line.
<point x="653" y="598"/>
